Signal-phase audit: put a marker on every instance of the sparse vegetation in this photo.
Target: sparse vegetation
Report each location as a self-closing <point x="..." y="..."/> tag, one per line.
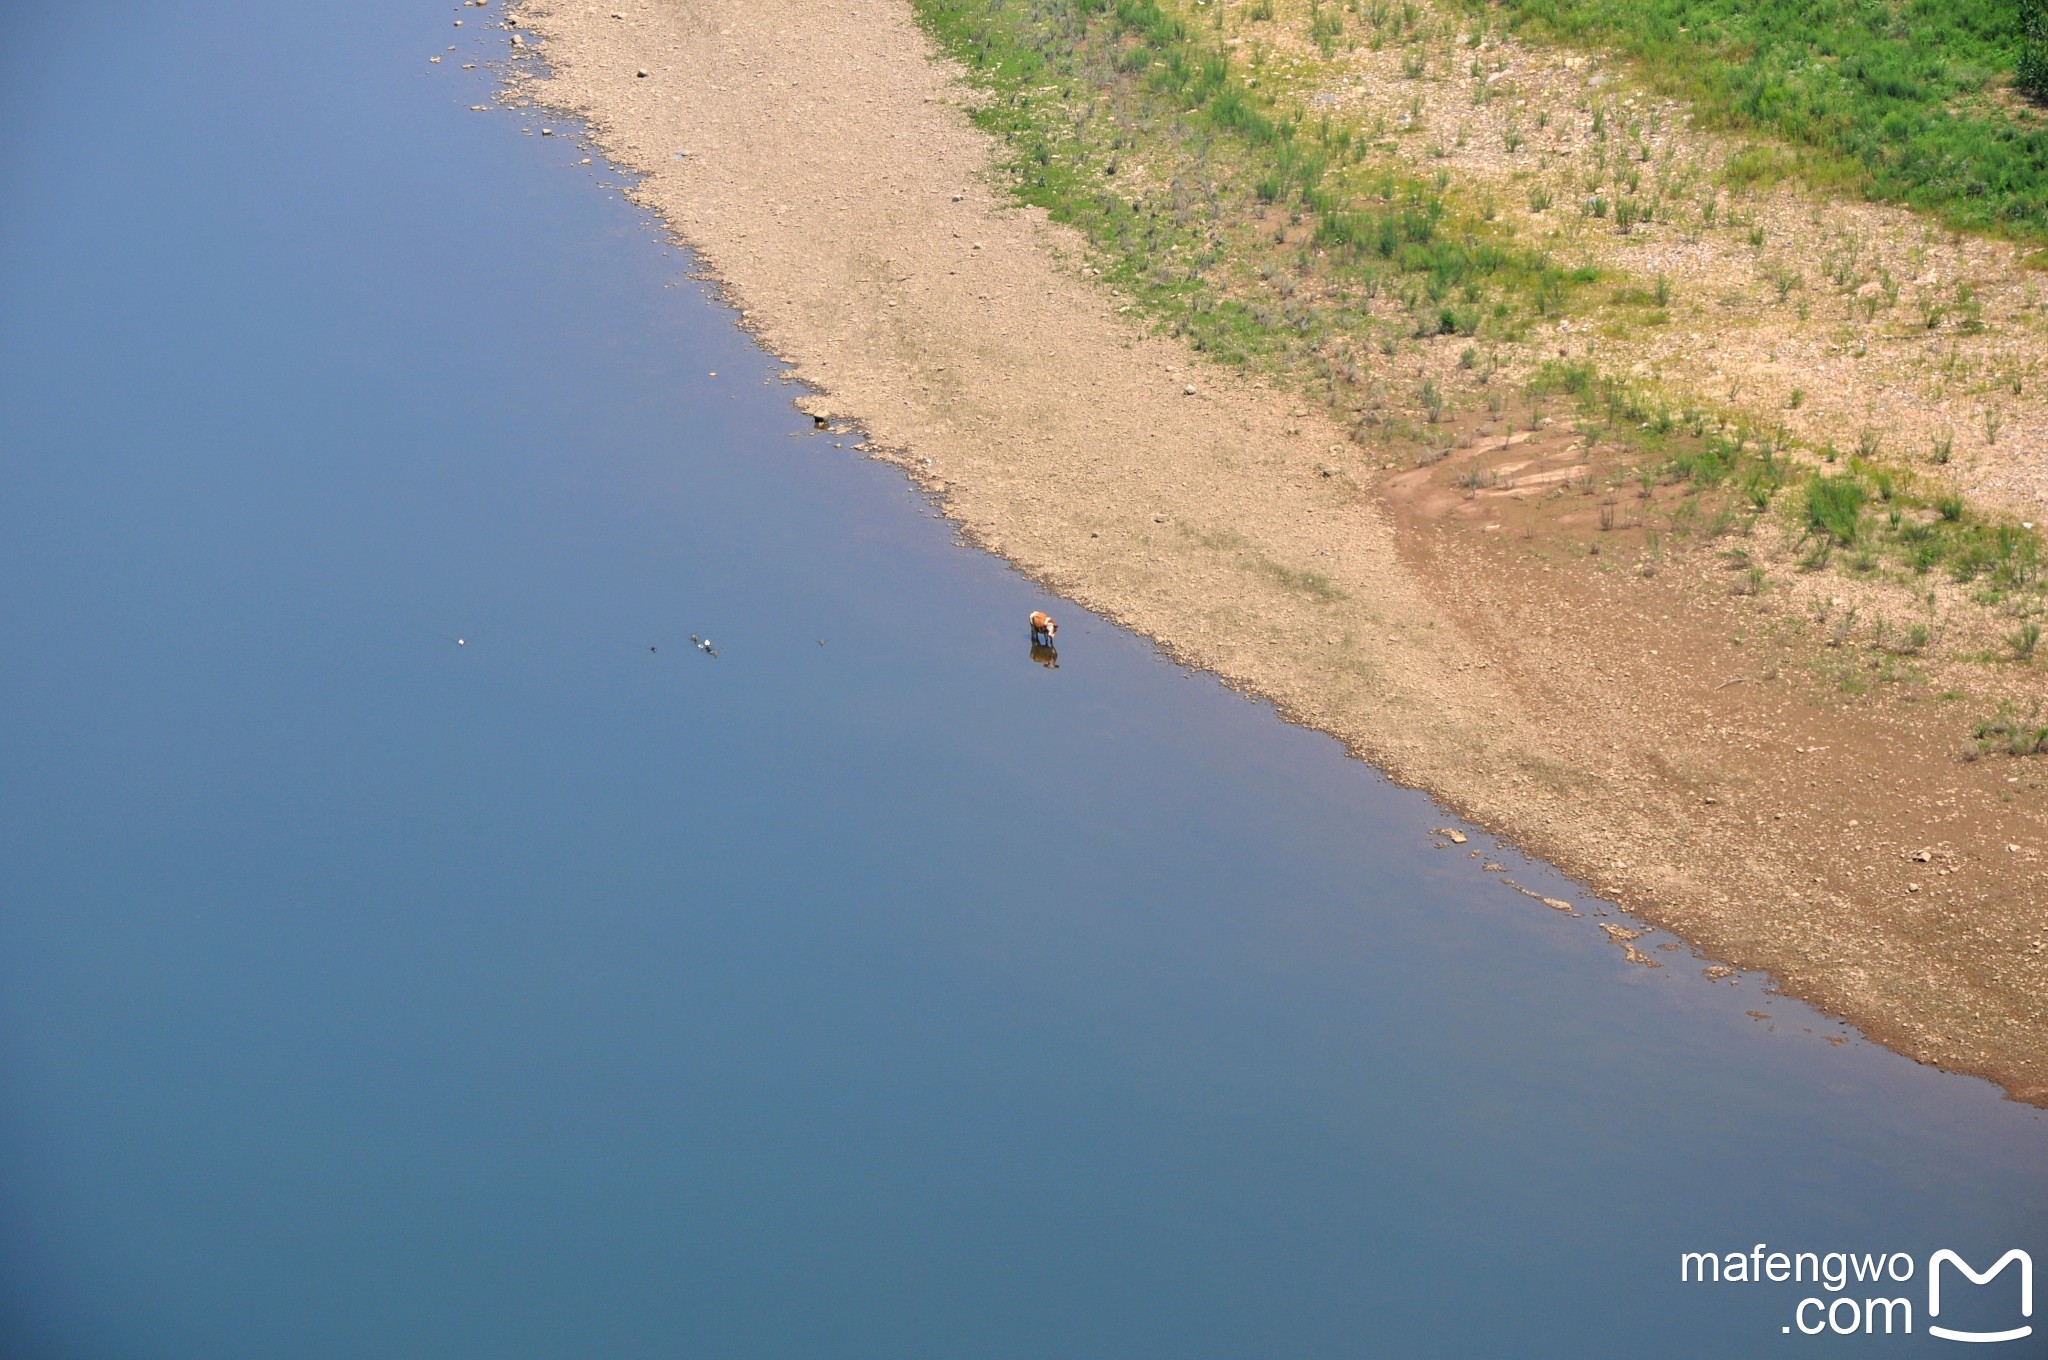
<point x="1894" y="100"/>
<point x="1920" y="529"/>
<point x="2006" y="733"/>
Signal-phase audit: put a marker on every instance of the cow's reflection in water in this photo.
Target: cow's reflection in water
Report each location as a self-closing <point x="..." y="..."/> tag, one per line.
<point x="1046" y="655"/>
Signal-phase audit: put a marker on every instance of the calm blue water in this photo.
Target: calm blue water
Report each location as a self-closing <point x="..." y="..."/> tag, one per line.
<point x="569" y="993"/>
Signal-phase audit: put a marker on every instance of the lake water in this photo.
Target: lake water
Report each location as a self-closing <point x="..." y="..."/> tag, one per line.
<point x="565" y="991"/>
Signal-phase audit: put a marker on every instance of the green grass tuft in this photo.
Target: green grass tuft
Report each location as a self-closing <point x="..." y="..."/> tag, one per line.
<point x="1834" y="506"/>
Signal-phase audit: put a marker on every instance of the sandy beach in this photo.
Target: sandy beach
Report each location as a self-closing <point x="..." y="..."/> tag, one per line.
<point x="1669" y="743"/>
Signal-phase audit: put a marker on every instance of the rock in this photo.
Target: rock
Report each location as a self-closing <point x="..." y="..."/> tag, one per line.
<point x="1188" y="390"/>
<point x="1921" y="856"/>
<point x="640" y="75"/>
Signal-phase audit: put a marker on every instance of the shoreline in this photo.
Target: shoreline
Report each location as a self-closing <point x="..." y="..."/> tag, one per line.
<point x="831" y="182"/>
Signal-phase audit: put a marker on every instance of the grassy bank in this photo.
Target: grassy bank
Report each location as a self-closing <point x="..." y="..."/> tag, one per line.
<point x="1303" y="247"/>
<point x="1254" y="232"/>
<point x="1907" y="102"/>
